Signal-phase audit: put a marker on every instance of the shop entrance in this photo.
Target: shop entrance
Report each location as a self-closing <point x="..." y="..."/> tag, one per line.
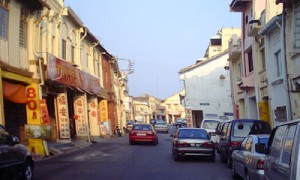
<point x="15" y="118"/>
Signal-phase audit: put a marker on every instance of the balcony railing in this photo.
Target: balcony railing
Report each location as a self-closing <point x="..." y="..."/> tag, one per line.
<point x="235" y="47"/>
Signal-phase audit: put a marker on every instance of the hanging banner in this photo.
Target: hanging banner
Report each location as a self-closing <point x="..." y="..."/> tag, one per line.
<point x="103" y="110"/>
<point x="80" y="111"/>
<point x="63" y="116"/>
<point x="33" y="104"/>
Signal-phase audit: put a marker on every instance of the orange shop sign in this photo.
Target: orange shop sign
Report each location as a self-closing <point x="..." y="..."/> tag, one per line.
<point x="103" y="110"/>
<point x="33" y="104"/>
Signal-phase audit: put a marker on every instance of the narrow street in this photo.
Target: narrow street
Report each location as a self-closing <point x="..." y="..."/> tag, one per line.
<point x="116" y="159"/>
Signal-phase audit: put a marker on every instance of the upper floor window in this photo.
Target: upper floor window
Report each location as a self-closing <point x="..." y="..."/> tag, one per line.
<point x="296" y="38"/>
<point x="23" y="28"/>
<point x="64" y="49"/>
<point x="64" y="41"/>
<point x="250" y="61"/>
<point x="73" y="54"/>
<point x="278" y="63"/>
<point x="3" y="19"/>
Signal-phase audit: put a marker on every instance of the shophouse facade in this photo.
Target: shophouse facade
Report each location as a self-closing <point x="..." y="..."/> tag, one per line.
<point x="290" y="34"/>
<point x="263" y="76"/>
<point x="173" y="108"/>
<point x="140" y="107"/>
<point x="61" y="76"/>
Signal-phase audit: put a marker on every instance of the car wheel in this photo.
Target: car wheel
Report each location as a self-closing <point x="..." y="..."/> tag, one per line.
<point x="28" y="171"/>
<point x="234" y="174"/>
<point x="229" y="163"/>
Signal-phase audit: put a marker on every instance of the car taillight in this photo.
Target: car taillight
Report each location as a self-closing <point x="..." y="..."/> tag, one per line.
<point x="234" y="144"/>
<point x="181" y="144"/>
<point x="208" y="145"/>
<point x="260" y="164"/>
<point x="132" y="133"/>
<point x="150" y="134"/>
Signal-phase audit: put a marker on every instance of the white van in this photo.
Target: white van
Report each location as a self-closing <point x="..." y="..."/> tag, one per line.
<point x="210" y="124"/>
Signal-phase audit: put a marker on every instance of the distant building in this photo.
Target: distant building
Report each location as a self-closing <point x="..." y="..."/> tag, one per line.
<point x="173" y="108"/>
<point x="207" y="82"/>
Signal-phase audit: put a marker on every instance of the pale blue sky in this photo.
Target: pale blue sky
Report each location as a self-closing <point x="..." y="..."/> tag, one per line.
<point x="160" y="36"/>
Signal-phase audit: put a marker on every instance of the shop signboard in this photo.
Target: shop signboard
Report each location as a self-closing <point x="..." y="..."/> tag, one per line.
<point x="37" y="131"/>
<point x="80" y="111"/>
<point x="63" y="116"/>
<point x="103" y="110"/>
<point x="65" y="73"/>
<point x="44" y="112"/>
<point x="33" y="105"/>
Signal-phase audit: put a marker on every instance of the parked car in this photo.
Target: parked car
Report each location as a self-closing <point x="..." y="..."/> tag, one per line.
<point x="161" y="126"/>
<point x="249" y="160"/>
<point x="283" y="152"/>
<point x="192" y="142"/>
<point x="210" y="126"/>
<point x="220" y="130"/>
<point x="143" y="133"/>
<point x="180" y="123"/>
<point x="16" y="161"/>
<point x="234" y="133"/>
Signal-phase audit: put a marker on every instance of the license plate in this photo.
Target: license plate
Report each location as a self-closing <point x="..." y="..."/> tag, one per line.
<point x="141" y="134"/>
<point x="192" y="144"/>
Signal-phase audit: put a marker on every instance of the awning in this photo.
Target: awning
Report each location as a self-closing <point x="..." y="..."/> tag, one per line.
<point x="103" y="93"/>
<point x="14" y="92"/>
<point x="246" y="82"/>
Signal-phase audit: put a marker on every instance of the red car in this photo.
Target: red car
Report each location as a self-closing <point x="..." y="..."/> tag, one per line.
<point x="143" y="133"/>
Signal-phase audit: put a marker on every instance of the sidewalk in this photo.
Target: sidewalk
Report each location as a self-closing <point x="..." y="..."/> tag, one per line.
<point x="58" y="148"/>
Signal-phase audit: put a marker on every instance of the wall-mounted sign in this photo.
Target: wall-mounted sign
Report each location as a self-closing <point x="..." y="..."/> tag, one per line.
<point x="204" y="104"/>
<point x="103" y="110"/>
<point x="63" y="116"/>
<point x="37" y="131"/>
<point x="80" y="111"/>
<point x="33" y="104"/>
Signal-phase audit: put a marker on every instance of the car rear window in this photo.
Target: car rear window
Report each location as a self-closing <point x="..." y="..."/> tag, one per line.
<point x="242" y="129"/>
<point x="142" y="127"/>
<point x="193" y="134"/>
<point x="210" y="124"/>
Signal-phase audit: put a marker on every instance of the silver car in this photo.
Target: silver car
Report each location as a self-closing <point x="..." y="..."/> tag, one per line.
<point x="192" y="142"/>
<point x="248" y="161"/>
<point x="161" y="126"/>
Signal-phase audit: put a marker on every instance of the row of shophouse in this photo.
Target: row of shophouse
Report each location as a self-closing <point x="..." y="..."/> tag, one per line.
<point x="57" y="81"/>
<point x="248" y="72"/>
<point x="264" y="61"/>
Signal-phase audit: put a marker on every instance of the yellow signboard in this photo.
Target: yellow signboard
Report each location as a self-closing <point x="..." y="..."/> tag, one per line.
<point x="33" y="104"/>
<point x="103" y="110"/>
<point x="264" y="111"/>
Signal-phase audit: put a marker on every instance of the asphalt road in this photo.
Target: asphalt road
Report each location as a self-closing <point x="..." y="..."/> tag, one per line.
<point x="115" y="159"/>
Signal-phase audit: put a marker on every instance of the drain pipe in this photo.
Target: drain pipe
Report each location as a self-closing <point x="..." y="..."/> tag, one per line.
<point x="35" y="51"/>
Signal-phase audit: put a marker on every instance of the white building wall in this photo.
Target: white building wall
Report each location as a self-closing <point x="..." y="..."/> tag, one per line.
<point x="277" y="84"/>
<point x="206" y="91"/>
